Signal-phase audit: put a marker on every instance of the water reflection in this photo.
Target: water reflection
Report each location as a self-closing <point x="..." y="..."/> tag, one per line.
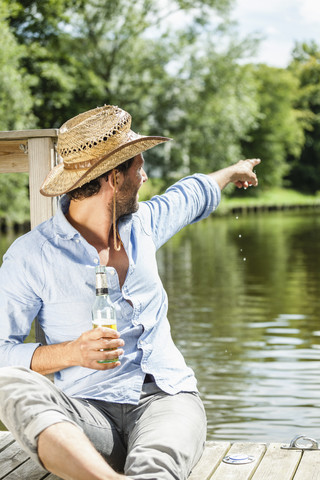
<point x="250" y="328"/>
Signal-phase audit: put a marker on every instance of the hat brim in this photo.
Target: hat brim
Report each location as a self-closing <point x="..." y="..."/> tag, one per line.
<point x="61" y="180"/>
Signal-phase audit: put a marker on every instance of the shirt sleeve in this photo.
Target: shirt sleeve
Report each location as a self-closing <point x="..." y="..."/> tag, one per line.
<point x="18" y="307"/>
<point x="191" y="199"/>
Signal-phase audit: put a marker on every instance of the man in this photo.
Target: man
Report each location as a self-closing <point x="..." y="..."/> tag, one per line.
<point x="140" y="414"/>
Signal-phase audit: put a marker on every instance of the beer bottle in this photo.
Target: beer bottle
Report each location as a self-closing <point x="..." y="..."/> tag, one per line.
<point x="103" y="310"/>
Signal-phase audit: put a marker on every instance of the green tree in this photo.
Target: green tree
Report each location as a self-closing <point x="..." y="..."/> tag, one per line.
<point x="175" y="81"/>
<point x="278" y="131"/>
<point x="41" y="28"/>
<point x="14" y="199"/>
<point x="15" y="97"/>
<point x="207" y="106"/>
<point x="15" y="113"/>
<point x="78" y="52"/>
<point x="305" y="170"/>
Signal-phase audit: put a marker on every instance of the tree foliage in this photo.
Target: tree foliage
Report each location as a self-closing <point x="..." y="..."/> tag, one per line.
<point x="16" y="105"/>
<point x="278" y="131"/>
<point x="305" y="170"/>
<point x="15" y="97"/>
<point x="208" y="109"/>
<point x="174" y="81"/>
<point x="78" y="52"/>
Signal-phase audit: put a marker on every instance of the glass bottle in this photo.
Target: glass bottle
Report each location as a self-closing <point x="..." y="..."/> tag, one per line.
<point x="103" y="310"/>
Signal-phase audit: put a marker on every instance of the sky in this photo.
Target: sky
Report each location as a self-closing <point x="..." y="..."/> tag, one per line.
<point x="281" y="23"/>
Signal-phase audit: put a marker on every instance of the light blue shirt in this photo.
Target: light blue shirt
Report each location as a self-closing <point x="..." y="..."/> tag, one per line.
<point x="49" y="273"/>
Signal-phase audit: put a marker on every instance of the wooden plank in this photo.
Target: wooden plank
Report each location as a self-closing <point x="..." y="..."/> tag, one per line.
<point x="11" y="458"/>
<point x="41" y="160"/>
<point x="28" y="470"/>
<point x="13" y="157"/>
<point x="6" y="439"/>
<point x="211" y="458"/>
<point x="272" y="463"/>
<point x="278" y="464"/>
<point x="25" y="134"/>
<point x="309" y="468"/>
<point x="227" y="471"/>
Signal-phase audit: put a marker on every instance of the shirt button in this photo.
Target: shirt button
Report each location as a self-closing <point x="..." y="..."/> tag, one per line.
<point x="77" y="240"/>
<point x="111" y="272"/>
<point x="96" y="260"/>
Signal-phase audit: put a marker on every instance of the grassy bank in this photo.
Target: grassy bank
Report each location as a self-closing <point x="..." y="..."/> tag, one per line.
<point x="273" y="199"/>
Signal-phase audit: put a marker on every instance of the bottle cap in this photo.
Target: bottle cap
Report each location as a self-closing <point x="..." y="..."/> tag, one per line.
<point x="100" y="269"/>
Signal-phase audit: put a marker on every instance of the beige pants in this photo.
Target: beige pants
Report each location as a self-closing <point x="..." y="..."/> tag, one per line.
<point x="161" y="438"/>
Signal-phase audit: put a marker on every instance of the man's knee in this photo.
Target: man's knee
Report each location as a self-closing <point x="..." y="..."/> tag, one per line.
<point x="18" y="375"/>
<point x="13" y="371"/>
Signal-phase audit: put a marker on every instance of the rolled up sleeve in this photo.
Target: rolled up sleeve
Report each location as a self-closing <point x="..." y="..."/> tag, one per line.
<point x="18" y="307"/>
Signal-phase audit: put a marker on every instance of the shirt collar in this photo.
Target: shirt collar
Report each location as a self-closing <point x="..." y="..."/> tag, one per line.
<point x="63" y="228"/>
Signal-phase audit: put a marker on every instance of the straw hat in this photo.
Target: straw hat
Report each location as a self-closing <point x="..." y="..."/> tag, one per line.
<point x="92" y="143"/>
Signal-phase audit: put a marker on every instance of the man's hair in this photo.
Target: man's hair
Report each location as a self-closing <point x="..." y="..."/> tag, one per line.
<point x="92" y="188"/>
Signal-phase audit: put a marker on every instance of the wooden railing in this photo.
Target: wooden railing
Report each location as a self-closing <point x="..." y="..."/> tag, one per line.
<point x="31" y="151"/>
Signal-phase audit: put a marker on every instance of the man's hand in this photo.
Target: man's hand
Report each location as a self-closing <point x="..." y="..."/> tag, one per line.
<point x="244" y="176"/>
<point x="241" y="174"/>
<point x="85" y="351"/>
<point x="95" y="346"/>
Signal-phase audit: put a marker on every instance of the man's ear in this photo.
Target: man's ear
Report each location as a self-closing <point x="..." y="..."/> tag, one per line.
<point x="117" y="178"/>
<point x="114" y="179"/>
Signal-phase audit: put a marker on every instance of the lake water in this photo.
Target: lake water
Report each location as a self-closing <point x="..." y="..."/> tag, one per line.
<point x="245" y="312"/>
<point x="244" y="309"/>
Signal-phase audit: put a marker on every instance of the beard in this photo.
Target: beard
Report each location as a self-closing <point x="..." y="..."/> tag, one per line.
<point x="127" y="201"/>
<point x="125" y="207"/>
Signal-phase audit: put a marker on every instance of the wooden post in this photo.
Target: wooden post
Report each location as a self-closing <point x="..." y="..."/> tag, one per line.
<point x="41" y="160"/>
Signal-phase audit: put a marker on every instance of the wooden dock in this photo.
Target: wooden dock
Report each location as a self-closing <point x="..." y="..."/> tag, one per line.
<point x="15" y="463"/>
<point x="271" y="462"/>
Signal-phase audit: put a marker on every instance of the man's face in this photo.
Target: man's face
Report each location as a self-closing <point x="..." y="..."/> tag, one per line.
<point x="127" y="198"/>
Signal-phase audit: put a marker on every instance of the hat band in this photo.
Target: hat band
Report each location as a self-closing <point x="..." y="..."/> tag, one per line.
<point x="79" y="165"/>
